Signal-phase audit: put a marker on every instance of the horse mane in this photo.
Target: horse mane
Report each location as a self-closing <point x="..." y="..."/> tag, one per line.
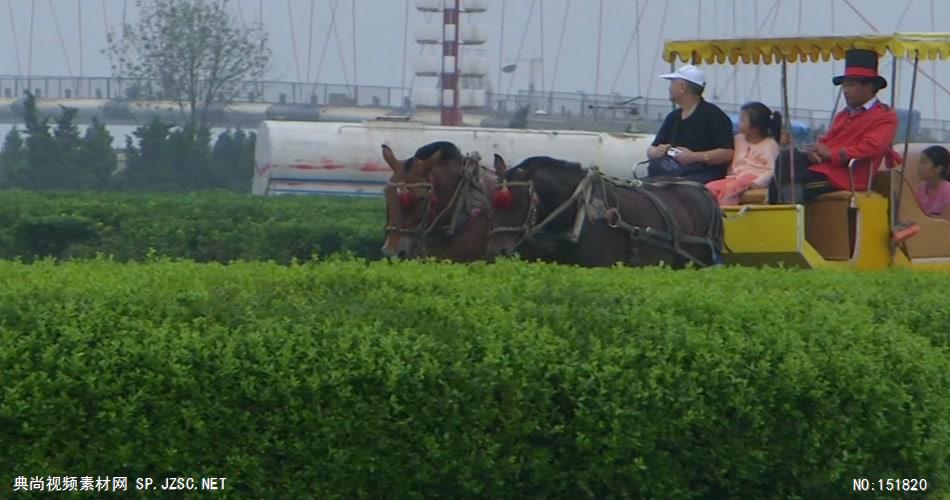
<point x="449" y="152"/>
<point x="546" y="162"/>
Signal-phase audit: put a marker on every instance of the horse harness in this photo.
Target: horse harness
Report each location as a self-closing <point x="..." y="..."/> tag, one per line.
<point x="674" y="237"/>
<point x="596" y="209"/>
<point x="427" y="225"/>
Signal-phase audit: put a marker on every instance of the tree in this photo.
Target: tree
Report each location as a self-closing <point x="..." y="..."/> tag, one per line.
<point x="97" y="158"/>
<point x="13" y="166"/>
<point x="233" y="160"/>
<point x="147" y="164"/>
<point x="63" y="170"/>
<point x="169" y="158"/>
<point x="57" y="159"/>
<point x="41" y="148"/>
<point x="244" y="169"/>
<point x="189" y="153"/>
<point x="189" y="51"/>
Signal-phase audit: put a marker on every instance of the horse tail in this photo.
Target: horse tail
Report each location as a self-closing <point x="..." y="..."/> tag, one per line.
<point x="716" y="228"/>
<point x="713" y="231"/>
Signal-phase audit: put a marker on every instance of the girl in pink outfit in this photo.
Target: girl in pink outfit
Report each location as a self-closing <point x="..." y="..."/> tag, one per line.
<point x="933" y="193"/>
<point x="756" y="150"/>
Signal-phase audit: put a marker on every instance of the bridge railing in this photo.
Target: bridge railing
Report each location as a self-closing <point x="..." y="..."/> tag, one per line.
<point x="272" y="92"/>
<point x="575" y="106"/>
<point x="608" y="107"/>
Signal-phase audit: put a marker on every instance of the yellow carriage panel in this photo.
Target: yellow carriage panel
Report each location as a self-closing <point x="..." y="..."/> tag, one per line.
<point x="768" y="235"/>
<point x="781" y="234"/>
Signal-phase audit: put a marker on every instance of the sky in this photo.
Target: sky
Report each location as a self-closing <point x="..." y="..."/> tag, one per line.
<point x="367" y="47"/>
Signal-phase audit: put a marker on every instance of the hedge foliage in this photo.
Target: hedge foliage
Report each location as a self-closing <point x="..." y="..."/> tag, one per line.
<point x="347" y="379"/>
<point x="205" y="226"/>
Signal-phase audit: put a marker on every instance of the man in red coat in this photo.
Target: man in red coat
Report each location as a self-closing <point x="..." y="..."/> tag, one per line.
<point x="864" y="130"/>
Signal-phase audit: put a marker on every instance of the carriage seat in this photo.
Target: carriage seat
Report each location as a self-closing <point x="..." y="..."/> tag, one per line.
<point x="932" y="240"/>
<point x="757" y="196"/>
<point x="829" y="225"/>
<point x="760" y="196"/>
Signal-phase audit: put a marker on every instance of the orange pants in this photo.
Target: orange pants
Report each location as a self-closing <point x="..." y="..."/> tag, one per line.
<point x="728" y="190"/>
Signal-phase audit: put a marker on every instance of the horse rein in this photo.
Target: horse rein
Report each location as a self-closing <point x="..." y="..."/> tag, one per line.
<point x="427" y="224"/>
<point x="529" y="228"/>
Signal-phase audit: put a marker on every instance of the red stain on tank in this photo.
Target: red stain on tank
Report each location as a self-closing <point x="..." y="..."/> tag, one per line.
<point x="328" y="164"/>
<point x="325" y="164"/>
<point x="373" y="167"/>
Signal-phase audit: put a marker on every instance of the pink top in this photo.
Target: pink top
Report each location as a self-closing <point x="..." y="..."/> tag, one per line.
<point x="754" y="159"/>
<point x="933" y="204"/>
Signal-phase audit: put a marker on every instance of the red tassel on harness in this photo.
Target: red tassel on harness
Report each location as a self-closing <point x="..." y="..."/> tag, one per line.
<point x="407" y="200"/>
<point x="503" y="199"/>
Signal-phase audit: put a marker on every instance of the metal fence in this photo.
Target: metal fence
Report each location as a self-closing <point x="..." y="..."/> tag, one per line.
<point x="273" y="92"/>
<point x="611" y="107"/>
<point x="606" y="109"/>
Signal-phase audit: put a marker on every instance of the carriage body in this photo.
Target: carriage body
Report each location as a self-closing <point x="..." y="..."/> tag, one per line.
<point x="845" y="228"/>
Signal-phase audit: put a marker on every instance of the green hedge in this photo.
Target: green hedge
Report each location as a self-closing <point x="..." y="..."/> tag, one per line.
<point x="206" y="226"/>
<point x="345" y="379"/>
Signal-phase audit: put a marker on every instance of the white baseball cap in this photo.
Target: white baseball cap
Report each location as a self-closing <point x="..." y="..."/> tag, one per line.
<point x="689" y="73"/>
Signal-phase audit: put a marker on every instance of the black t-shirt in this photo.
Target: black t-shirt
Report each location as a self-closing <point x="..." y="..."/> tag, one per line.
<point x="707" y="128"/>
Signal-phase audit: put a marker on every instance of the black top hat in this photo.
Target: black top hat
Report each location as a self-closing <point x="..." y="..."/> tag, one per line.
<point x="861" y="63"/>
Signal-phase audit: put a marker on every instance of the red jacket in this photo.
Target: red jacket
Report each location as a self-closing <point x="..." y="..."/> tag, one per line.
<point x="866" y="135"/>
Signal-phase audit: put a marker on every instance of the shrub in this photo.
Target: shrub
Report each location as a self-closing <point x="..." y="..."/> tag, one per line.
<point x="345" y="379"/>
<point x="204" y="227"/>
<point x="51" y="236"/>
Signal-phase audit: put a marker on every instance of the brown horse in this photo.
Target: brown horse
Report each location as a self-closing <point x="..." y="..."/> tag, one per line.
<point x="437" y="205"/>
<point x="605" y="221"/>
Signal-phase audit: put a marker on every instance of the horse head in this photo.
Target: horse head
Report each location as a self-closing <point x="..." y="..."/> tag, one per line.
<point x="417" y="196"/>
<point x="525" y="196"/>
<point x="514" y="210"/>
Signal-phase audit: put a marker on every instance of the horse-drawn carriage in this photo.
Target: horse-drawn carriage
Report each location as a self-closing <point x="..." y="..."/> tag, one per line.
<point x="880" y="227"/>
<point x="440" y="200"/>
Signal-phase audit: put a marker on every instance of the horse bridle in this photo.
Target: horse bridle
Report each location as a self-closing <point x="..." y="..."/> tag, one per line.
<point x="427" y="224"/>
<point x="526" y="228"/>
<point x="402" y="188"/>
<point x="529" y="228"/>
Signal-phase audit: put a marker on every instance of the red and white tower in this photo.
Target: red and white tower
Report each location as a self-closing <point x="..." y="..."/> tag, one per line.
<point x="452" y="65"/>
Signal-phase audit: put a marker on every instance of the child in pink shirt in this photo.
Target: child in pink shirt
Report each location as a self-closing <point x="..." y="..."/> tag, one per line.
<point x="756" y="150"/>
<point x="933" y="193"/>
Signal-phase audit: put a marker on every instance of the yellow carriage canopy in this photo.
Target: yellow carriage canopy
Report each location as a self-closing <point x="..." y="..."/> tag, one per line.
<point x="927" y="46"/>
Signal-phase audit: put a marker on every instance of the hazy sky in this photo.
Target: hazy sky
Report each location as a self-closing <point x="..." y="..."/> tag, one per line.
<point x="380" y="27"/>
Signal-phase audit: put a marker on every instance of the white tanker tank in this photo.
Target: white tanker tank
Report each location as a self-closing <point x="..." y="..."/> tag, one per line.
<point x="346" y="158"/>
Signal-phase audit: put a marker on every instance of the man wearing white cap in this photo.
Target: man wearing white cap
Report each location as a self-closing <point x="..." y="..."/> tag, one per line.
<point x="695" y="141"/>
